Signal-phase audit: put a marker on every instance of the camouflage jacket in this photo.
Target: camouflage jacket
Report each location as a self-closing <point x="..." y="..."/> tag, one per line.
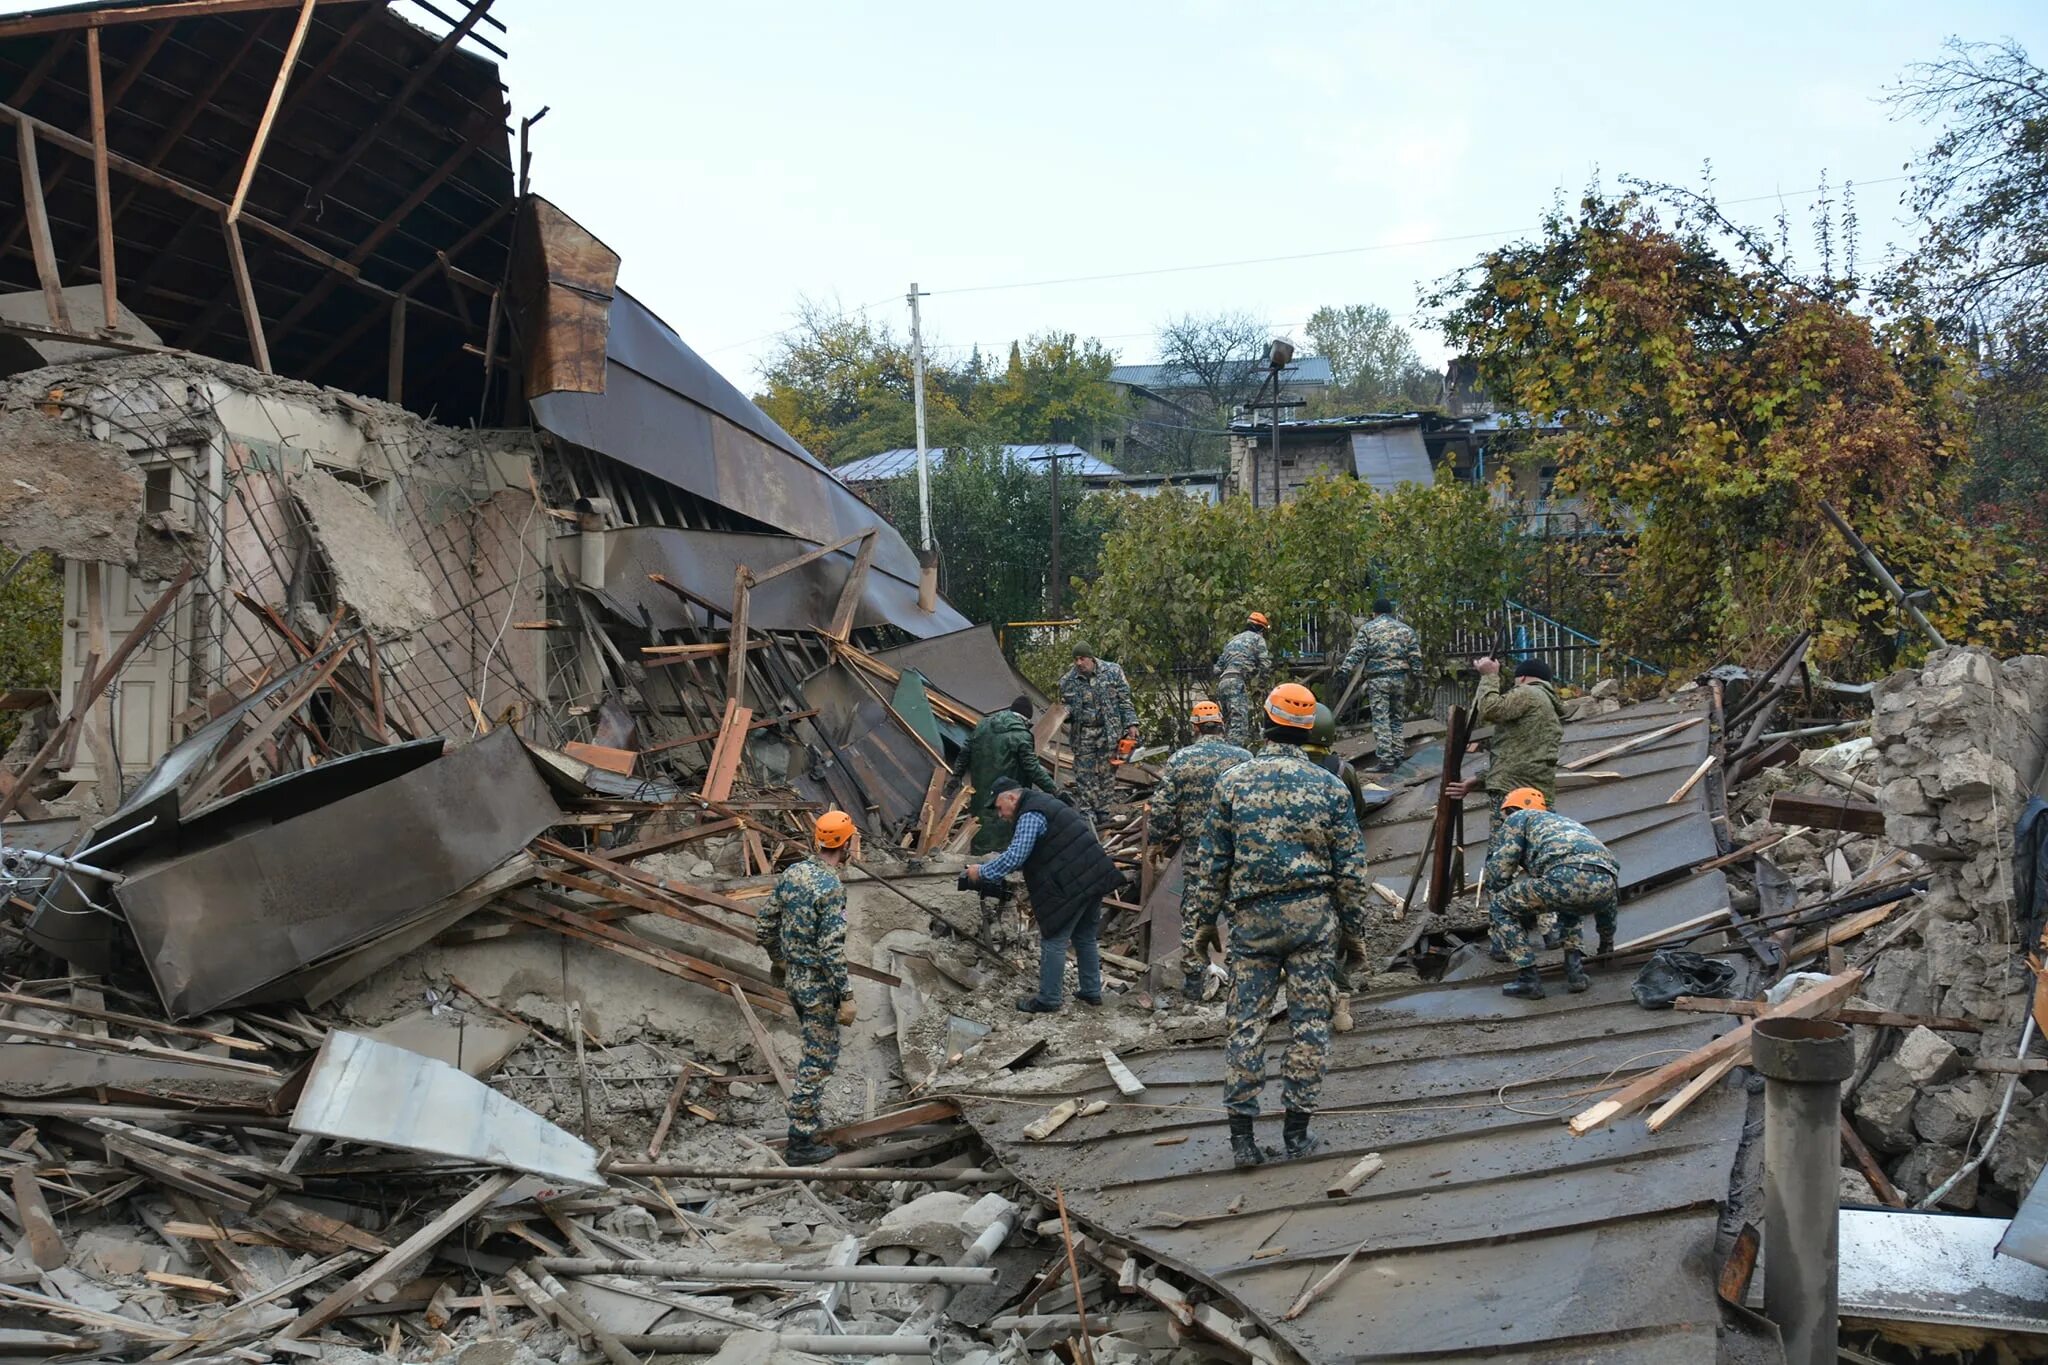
<point x="1382" y="648"/>
<point x="1528" y="727"/>
<point x="1280" y="824"/>
<point x="1188" y="784"/>
<point x="1101" y="700"/>
<point x="1532" y="842"/>
<point x="1247" y="655"/>
<point x="802" y="925"/>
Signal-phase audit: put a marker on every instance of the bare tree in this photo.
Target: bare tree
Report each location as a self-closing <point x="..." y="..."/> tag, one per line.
<point x="1222" y="355"/>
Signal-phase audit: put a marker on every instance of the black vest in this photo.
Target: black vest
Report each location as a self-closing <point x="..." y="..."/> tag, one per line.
<point x="1068" y="871"/>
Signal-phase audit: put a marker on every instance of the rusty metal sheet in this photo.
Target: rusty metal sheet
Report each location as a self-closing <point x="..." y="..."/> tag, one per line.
<point x="1490" y="1233"/>
<point x="666" y="412"/>
<point x="563" y="283"/>
<point x="222" y="921"/>
<point x="703" y="562"/>
<point x="967" y="666"/>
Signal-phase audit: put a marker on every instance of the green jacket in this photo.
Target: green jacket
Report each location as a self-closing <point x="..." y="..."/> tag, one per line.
<point x="1528" y="728"/>
<point x="1000" y="746"/>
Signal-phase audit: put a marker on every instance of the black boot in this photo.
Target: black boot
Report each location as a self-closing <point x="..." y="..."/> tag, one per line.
<point x="1575" y="979"/>
<point x="1606" y="944"/>
<point x="807" y="1151"/>
<point x="1525" y="985"/>
<point x="1299" y="1143"/>
<point x="1244" y="1142"/>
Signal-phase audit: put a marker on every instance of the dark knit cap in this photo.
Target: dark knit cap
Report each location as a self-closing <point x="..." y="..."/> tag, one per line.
<point x="1535" y="668"/>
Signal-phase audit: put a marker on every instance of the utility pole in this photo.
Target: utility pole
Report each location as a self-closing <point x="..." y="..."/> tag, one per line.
<point x="1053" y="585"/>
<point x="924" y="464"/>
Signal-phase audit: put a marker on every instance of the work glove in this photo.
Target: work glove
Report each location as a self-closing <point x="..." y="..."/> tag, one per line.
<point x="1352" y="952"/>
<point x="779" y="974"/>
<point x="1207" y="940"/>
<point x="847" y="1013"/>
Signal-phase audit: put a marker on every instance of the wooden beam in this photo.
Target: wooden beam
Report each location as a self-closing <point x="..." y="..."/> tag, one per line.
<point x="841" y="628"/>
<point x="102" y="194"/>
<point x="263" y="125"/>
<point x="1827" y="812"/>
<point x="725" y="758"/>
<point x="1629" y="746"/>
<point x="763" y="1043"/>
<point x="1875" y="1018"/>
<point x="62" y="21"/>
<point x="399" y="1257"/>
<point x="394" y="354"/>
<point x="852" y="1134"/>
<point x="262" y="727"/>
<point x="809" y="557"/>
<point x="245" y="291"/>
<point x="736" y="641"/>
<point x="83" y="147"/>
<point x="38" y="219"/>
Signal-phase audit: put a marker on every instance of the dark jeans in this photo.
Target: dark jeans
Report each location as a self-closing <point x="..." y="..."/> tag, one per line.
<point x="1052" y="959"/>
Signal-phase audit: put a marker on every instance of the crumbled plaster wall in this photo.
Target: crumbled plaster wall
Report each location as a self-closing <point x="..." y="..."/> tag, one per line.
<point x="1959" y="744"/>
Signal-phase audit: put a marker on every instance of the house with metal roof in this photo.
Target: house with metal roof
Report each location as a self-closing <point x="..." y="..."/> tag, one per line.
<point x="893" y="464"/>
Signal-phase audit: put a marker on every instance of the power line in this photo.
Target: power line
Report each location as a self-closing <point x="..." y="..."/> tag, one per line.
<point x="1282" y="259"/>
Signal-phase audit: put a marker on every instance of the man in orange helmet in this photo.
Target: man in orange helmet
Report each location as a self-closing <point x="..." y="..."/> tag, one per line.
<point x="802" y="925"/>
<point x="1542" y="862"/>
<point x="1282" y="851"/>
<point x="1181" y="801"/>
<point x="1243" y="665"/>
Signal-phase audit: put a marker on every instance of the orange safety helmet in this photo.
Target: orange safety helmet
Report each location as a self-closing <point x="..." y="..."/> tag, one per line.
<point x="1292" y="705"/>
<point x="1258" y="618"/>
<point x="1206" y="713"/>
<point x="834" y="829"/>
<point x="1524" y="798"/>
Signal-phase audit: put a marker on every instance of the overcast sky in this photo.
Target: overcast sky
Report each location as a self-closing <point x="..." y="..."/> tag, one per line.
<point x="743" y="157"/>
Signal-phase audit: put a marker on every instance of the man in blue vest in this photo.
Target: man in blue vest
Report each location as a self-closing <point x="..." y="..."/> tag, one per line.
<point x="1067" y="873"/>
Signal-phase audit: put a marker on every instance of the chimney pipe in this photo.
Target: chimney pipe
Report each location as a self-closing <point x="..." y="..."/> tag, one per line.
<point x="927" y="581"/>
<point x="1804" y="1062"/>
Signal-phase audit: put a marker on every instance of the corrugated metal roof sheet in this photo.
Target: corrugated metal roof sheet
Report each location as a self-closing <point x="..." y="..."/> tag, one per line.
<point x="1305" y="371"/>
<point x="1388" y="458"/>
<point x="1490" y="1233"/>
<point x="890" y="464"/>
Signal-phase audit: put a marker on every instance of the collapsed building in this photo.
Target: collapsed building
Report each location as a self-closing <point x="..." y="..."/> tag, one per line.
<point x="450" y="659"/>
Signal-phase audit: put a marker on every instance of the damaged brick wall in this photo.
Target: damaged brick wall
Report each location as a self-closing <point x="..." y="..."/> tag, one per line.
<point x="1959" y="745"/>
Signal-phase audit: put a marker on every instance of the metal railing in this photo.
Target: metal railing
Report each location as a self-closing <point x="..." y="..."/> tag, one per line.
<point x="1577" y="658"/>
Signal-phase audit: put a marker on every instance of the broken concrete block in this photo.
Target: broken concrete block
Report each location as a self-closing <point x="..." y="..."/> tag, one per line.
<point x="112" y="1253"/>
<point x="1853" y="1188"/>
<point x="1884" y="1108"/>
<point x="1925" y="1168"/>
<point x="63" y="492"/>
<point x="1947" y="1117"/>
<point x="1927" y="1058"/>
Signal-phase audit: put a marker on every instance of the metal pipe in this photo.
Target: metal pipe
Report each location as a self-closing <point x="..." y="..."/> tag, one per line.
<point x="1804" y="1062"/>
<point x="1882" y="574"/>
<point x="711" y="1343"/>
<point x="977" y="1254"/>
<point x="1997" y="1127"/>
<point x="32" y="855"/>
<point x="772" y="1272"/>
<point x="683" y="1170"/>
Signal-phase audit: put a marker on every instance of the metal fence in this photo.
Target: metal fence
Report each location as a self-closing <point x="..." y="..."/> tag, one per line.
<point x="1578" y="659"/>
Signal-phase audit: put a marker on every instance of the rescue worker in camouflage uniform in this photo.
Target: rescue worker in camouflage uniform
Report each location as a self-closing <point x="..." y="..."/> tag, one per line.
<point x="1180" y="802"/>
<point x="1546" y="863"/>
<point x="1528" y="730"/>
<point x="1100" y="716"/>
<point x="1321" y="747"/>
<point x="1243" y="665"/>
<point x="1001" y="746"/>
<point x="1282" y="852"/>
<point x="1388" y="652"/>
<point x="802" y="925"/>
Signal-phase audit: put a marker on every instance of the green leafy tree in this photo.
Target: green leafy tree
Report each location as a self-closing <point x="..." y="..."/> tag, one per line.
<point x="1055" y="388"/>
<point x="31" y="631"/>
<point x="1373" y="361"/>
<point x="843" y="386"/>
<point x="1709" y="404"/>
<point x="992" y="519"/>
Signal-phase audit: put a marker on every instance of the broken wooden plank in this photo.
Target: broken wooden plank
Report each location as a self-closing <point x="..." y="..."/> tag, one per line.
<point x="1880" y="1018"/>
<point x="1808" y="1004"/>
<point x="189" y="1284"/>
<point x="1841" y="931"/>
<point x="1694" y="1088"/>
<point x="1685" y="787"/>
<point x="620" y="761"/>
<point x="45" y="1244"/>
<point x="1362" y="1170"/>
<point x="1126" y="1081"/>
<point x="1315" y="1291"/>
<point x="399" y="1257"/>
<point x="725" y="756"/>
<point x="1043" y="1127"/>
<point x="1827" y="812"/>
<point x="1629" y="746"/>
<point x="1880" y="1184"/>
<point x="763" y="1043"/>
<point x="916" y="1115"/>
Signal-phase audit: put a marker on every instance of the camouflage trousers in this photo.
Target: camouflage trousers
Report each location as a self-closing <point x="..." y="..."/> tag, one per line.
<point x="1387" y="697"/>
<point x="1307" y="968"/>
<point x="1569" y="892"/>
<point x="819" y="1026"/>
<point x="1236" y="701"/>
<point x="1094" y="778"/>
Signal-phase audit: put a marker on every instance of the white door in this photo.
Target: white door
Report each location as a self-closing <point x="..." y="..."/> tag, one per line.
<point x="151" y="688"/>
